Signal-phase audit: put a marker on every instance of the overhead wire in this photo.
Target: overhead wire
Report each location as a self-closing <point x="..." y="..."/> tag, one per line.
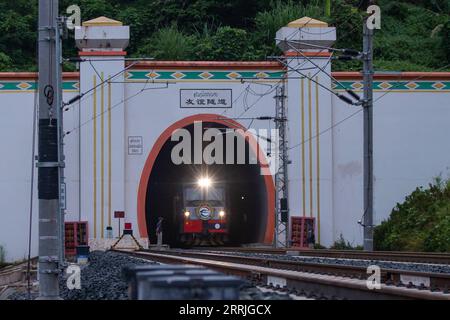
<point x="83" y="96"/>
<point x="117" y="104"/>
<point x="398" y="84"/>
<point x="361" y="109"/>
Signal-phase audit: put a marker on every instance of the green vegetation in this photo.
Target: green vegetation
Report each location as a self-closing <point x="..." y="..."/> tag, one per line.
<point x="415" y="34"/>
<point x="342" y="244"/>
<point x="420" y="223"/>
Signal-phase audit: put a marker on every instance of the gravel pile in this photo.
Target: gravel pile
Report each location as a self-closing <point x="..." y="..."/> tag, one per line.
<point x="102" y="279"/>
<point x="407" y="266"/>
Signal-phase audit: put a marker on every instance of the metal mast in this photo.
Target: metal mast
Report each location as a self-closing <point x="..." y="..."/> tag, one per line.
<point x="50" y="162"/>
<point x="368" y="136"/>
<point x="281" y="176"/>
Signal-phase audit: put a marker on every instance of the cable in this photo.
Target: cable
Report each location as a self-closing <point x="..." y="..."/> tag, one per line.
<point x="95" y="70"/>
<point x="260" y="97"/>
<point x="112" y="77"/>
<point x="325" y="130"/>
<point x="78" y="97"/>
<point x="355" y="113"/>
<point x="354" y="95"/>
<point x="114" y="106"/>
<point x="313" y="45"/>
<point x="118" y="58"/>
<point x="418" y="78"/>
<point x="33" y="151"/>
<point x="313" y="80"/>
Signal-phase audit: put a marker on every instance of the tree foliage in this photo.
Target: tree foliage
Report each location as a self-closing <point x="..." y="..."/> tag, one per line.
<point x="414" y="34"/>
<point x="420" y="223"/>
<point x="169" y="44"/>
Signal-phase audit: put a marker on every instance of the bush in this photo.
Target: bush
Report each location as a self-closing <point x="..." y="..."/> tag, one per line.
<point x="318" y="246"/>
<point x="226" y="44"/>
<point x="268" y="22"/>
<point x="5" y="62"/>
<point x="342" y="244"/>
<point x="169" y="44"/>
<point x="420" y="223"/>
<point x="445" y="41"/>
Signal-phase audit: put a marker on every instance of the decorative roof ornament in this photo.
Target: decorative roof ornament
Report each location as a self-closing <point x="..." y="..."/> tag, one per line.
<point x="102" y="34"/>
<point x="102" y="21"/>
<point x="307" y="22"/>
<point x="305" y="34"/>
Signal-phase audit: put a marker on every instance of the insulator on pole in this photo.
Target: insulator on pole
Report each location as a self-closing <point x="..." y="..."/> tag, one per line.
<point x="353" y="94"/>
<point x="345" y="99"/>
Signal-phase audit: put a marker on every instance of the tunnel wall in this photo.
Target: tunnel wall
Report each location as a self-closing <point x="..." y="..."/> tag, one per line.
<point x="267" y="219"/>
<point x="410" y="115"/>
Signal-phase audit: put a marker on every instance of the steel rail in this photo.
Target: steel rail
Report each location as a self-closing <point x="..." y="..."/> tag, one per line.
<point x="326" y="280"/>
<point x="397" y="256"/>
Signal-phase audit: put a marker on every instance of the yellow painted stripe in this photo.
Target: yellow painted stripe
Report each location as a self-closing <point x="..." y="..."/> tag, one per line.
<point x="95" y="157"/>
<point x="318" y="159"/>
<point x="109" y="154"/>
<point x="303" y="147"/>
<point x="102" y="156"/>
<point x="310" y="149"/>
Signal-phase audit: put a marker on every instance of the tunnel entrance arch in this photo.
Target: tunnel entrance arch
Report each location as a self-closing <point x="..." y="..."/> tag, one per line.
<point x="158" y="176"/>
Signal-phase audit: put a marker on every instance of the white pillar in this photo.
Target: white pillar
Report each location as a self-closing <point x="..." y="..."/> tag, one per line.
<point x="309" y="113"/>
<point x="102" y="42"/>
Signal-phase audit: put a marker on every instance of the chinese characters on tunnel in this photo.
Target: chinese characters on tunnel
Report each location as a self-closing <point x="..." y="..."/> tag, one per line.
<point x="206" y="98"/>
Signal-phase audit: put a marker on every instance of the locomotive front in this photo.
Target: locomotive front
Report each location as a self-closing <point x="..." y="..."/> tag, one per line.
<point x="205" y="219"/>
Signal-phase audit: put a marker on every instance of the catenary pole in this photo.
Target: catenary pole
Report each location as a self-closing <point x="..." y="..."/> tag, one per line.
<point x="281" y="176"/>
<point x="49" y="155"/>
<point x="368" y="135"/>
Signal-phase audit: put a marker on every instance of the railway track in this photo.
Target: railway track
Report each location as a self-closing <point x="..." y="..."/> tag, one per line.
<point x="323" y="280"/>
<point x="397" y="256"/>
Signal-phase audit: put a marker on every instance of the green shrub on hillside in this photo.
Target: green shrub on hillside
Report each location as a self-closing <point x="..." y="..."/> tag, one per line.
<point x="5" y="62"/>
<point x="414" y="35"/>
<point x="228" y="44"/>
<point x="169" y="44"/>
<point x="342" y="244"/>
<point x="420" y="223"/>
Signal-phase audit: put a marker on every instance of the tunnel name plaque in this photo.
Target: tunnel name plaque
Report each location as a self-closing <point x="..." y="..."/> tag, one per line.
<point x="206" y="98"/>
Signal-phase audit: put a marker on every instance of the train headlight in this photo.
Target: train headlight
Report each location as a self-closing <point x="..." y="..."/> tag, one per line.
<point x="204" y="182"/>
<point x="222" y="214"/>
<point x="187" y="214"/>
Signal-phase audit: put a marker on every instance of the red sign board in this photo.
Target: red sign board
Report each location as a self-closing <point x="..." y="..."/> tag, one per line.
<point x="119" y="214"/>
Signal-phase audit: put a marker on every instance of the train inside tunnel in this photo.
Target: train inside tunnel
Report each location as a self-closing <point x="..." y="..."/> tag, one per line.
<point x="247" y="194"/>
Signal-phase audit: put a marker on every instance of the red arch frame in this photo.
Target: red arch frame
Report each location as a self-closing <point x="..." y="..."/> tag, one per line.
<point x="149" y="163"/>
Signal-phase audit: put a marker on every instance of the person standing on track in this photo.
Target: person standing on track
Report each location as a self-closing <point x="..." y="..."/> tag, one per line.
<point x="311" y="239"/>
<point x="159" y="232"/>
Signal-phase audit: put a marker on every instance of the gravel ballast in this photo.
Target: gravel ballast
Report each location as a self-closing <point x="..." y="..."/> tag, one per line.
<point x="102" y="279"/>
<point x="407" y="266"/>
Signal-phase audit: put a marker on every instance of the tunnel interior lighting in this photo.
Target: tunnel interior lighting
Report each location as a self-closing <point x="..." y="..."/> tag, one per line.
<point x="204" y="182"/>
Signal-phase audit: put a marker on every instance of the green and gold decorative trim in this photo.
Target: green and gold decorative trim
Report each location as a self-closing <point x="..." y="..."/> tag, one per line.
<point x="211" y="76"/>
<point x="400" y="86"/>
<point x="201" y="75"/>
<point x="30" y="86"/>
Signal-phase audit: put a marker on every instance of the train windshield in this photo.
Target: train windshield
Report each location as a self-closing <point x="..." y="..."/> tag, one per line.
<point x="193" y="194"/>
<point x="213" y="195"/>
